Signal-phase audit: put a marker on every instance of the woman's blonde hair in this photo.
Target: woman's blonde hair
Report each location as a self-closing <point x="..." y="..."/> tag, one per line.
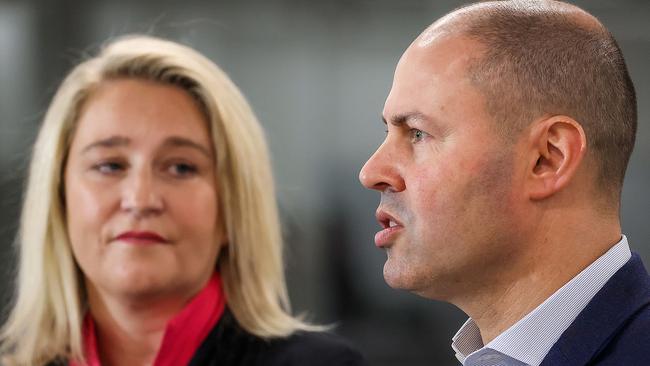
<point x="46" y="319"/>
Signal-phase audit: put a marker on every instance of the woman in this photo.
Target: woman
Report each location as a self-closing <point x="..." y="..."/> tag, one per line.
<point x="149" y="233"/>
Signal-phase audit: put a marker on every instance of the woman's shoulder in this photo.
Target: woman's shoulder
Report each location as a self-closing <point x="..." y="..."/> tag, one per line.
<point x="228" y="344"/>
<point x="313" y="348"/>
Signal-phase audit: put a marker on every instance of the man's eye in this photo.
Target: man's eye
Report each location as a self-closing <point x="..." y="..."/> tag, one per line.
<point x="417" y="135"/>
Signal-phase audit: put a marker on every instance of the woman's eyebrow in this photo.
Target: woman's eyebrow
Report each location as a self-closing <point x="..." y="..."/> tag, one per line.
<point x="112" y="141"/>
<point x="173" y="141"/>
<point x="177" y="141"/>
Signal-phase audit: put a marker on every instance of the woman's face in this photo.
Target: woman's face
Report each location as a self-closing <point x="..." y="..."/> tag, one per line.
<point x="140" y="192"/>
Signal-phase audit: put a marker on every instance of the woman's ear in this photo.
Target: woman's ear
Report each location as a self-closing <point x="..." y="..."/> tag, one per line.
<point x="556" y="150"/>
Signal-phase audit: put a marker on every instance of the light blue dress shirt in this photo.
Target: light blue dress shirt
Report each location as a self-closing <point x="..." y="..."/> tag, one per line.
<point x="528" y="341"/>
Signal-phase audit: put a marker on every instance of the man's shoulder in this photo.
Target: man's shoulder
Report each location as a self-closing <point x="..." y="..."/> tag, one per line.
<point x="626" y="317"/>
<point x="612" y="329"/>
<point x="631" y="344"/>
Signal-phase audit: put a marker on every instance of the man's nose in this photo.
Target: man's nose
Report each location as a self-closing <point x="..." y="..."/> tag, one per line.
<point x="141" y="196"/>
<point x="381" y="171"/>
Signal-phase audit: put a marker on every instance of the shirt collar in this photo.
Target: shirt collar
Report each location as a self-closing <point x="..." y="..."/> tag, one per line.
<point x="530" y="339"/>
<point x="184" y="332"/>
<point x="466" y="340"/>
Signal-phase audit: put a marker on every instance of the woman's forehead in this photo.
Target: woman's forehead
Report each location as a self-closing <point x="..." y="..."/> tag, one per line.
<point x="141" y="110"/>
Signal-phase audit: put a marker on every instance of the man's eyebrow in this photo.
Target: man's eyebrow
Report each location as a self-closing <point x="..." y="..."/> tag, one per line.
<point x="177" y="141"/>
<point x="400" y="119"/>
<point x="112" y="141"/>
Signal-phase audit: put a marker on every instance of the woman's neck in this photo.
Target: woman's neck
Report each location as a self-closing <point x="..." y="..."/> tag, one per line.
<point x="130" y="332"/>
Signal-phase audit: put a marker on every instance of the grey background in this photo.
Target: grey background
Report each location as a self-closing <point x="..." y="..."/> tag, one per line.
<point x="317" y="74"/>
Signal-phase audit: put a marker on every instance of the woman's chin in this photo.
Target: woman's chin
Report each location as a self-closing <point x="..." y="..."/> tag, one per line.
<point x="143" y="278"/>
<point x="136" y="283"/>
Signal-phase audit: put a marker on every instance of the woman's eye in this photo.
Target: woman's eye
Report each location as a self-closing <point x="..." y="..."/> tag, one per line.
<point x="417" y="135"/>
<point x="182" y="169"/>
<point x="109" y="167"/>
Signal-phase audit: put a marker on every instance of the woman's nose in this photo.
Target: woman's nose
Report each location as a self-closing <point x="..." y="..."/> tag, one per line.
<point x="141" y="195"/>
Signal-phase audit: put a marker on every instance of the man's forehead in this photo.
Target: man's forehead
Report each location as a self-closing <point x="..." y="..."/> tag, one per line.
<point x="448" y="55"/>
<point x="429" y="77"/>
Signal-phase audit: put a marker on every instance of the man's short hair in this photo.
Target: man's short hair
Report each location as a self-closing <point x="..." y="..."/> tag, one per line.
<point x="540" y="59"/>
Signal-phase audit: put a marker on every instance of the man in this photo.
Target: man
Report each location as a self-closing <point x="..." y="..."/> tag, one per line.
<point x="509" y="129"/>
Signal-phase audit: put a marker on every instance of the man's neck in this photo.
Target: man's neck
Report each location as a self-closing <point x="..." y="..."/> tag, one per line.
<point x="529" y="281"/>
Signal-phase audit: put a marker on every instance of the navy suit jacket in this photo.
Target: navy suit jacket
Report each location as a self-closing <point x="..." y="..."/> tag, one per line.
<point x="614" y="328"/>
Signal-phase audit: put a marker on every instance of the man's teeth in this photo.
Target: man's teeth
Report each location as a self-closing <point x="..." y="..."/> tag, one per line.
<point x="392" y="223"/>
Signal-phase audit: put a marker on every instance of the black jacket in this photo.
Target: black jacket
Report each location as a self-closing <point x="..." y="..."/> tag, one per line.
<point x="229" y="345"/>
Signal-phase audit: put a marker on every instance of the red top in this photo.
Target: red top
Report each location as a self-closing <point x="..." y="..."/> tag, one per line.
<point x="184" y="333"/>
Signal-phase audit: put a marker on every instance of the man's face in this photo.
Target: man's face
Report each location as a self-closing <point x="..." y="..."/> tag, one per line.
<point x="445" y="177"/>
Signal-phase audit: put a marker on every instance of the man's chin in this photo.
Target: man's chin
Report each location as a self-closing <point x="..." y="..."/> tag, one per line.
<point x="406" y="279"/>
<point x="397" y="278"/>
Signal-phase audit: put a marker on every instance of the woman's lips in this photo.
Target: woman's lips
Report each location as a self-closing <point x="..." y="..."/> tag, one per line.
<point x="141" y="238"/>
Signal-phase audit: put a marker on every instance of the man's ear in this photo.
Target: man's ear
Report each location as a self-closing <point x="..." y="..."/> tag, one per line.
<point x="556" y="150"/>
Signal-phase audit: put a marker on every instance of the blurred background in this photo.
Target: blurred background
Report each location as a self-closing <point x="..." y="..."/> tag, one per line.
<point x="317" y="74"/>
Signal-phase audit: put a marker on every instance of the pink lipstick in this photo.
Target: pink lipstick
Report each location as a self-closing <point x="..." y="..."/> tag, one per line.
<point x="141" y="238"/>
